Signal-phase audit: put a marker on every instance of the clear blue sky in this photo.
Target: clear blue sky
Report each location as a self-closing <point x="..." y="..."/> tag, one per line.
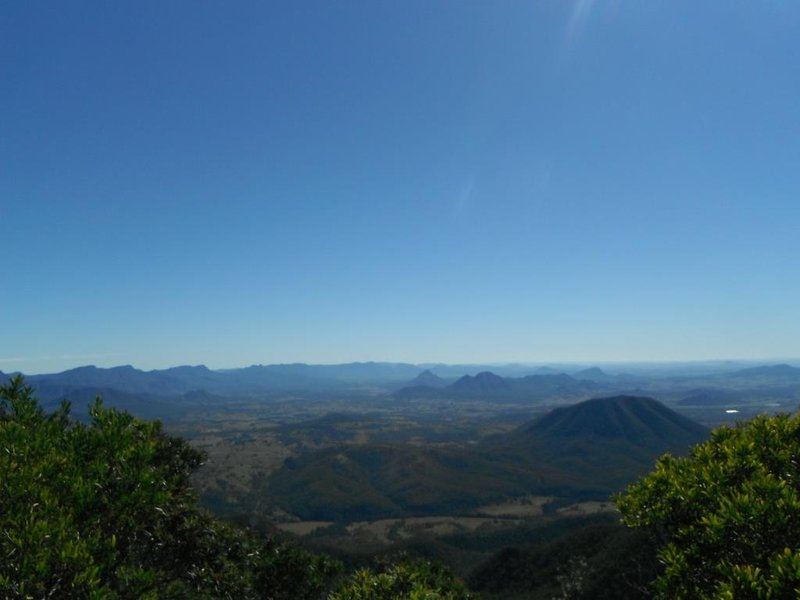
<point x="232" y="183"/>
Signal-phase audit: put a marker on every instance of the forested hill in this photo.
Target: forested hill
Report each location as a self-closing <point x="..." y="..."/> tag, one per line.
<point x="642" y="422"/>
<point x="590" y="449"/>
<point x="609" y="441"/>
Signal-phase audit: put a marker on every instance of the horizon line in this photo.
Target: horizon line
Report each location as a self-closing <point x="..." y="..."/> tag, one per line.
<point x="429" y="364"/>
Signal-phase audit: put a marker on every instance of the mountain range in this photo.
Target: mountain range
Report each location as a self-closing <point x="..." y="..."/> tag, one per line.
<point x="252" y="380"/>
<point x="151" y="393"/>
<point x="489" y="386"/>
<point x="410" y="381"/>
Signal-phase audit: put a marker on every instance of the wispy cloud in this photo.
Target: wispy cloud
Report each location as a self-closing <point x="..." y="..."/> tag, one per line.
<point x="89" y="356"/>
<point x="581" y="10"/>
<point x="464" y="197"/>
<point x="22" y="359"/>
<point x="15" y="359"/>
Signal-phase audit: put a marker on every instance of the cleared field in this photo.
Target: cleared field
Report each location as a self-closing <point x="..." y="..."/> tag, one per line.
<point x="528" y="506"/>
<point x="582" y="509"/>
<point x="388" y="531"/>
<point x="303" y="527"/>
<point x="233" y="461"/>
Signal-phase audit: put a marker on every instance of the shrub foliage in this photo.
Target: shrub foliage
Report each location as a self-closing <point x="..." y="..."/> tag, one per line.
<point x="105" y="510"/>
<point x="405" y="580"/>
<point x="727" y="517"/>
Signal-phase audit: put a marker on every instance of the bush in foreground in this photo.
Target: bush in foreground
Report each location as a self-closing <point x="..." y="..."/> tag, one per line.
<point x="407" y="580"/>
<point x="727" y="517"/>
<point x="105" y="510"/>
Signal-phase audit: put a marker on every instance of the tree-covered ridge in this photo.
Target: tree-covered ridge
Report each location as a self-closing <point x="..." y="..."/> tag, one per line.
<point x="727" y="517"/>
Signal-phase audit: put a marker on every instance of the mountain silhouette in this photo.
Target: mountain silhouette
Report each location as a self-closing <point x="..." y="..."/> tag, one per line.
<point x="592" y="374"/>
<point x="608" y="441"/>
<point x="636" y="420"/>
<point x="484" y="382"/>
<point x="782" y="371"/>
<point x="429" y="379"/>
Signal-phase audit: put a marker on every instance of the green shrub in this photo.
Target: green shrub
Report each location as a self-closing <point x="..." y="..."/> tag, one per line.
<point x="727" y="518"/>
<point x="105" y="510"/>
<point x="408" y="580"/>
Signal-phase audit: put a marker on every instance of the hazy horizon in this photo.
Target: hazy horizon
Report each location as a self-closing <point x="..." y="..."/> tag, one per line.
<point x="634" y="365"/>
<point x="253" y="183"/>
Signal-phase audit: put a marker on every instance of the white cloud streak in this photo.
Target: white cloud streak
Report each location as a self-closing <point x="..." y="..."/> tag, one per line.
<point x="580" y="13"/>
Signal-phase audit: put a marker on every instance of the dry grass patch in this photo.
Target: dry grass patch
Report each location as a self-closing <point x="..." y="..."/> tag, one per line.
<point x="582" y="509"/>
<point x="303" y="527"/>
<point x="527" y="506"/>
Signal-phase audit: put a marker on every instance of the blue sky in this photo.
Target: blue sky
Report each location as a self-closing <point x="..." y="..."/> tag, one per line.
<point x="254" y="182"/>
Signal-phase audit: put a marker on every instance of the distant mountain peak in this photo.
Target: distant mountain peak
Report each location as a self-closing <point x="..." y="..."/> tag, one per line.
<point x="82" y="369"/>
<point x="483" y="382"/>
<point x="546" y="370"/>
<point x="636" y="419"/>
<point x="186" y="369"/>
<point x="781" y="370"/>
<point x="592" y="374"/>
<point x="428" y="378"/>
<point x="488" y="376"/>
